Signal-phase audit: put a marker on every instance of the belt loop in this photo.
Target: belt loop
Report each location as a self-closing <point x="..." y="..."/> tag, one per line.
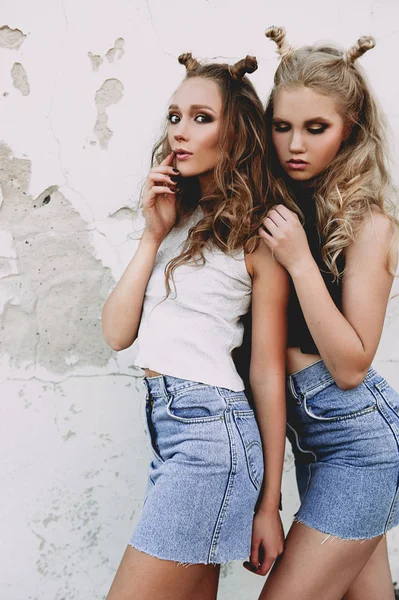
<point x="291" y="384"/>
<point x="163" y="387"/>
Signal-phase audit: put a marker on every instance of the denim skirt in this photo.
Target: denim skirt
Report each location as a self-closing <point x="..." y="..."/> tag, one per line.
<point x="346" y="448"/>
<point x="205" y="475"/>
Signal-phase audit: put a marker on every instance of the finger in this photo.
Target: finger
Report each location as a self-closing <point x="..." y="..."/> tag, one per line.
<point x="168" y="160"/>
<point x="254" y="556"/>
<point x="160" y="177"/>
<point x="164" y="169"/>
<point x="275" y="216"/>
<point x="284" y="212"/>
<point x="249" y="567"/>
<point x="160" y="189"/>
<point x="265" y="235"/>
<point x="266" y="565"/>
<point x="270" y="225"/>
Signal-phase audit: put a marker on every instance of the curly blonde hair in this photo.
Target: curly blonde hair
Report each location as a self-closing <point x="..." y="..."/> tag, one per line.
<point x="234" y="207"/>
<point x="358" y="178"/>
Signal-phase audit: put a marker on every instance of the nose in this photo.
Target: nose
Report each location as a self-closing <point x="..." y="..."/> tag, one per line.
<point x="180" y="133"/>
<point x="297" y="142"/>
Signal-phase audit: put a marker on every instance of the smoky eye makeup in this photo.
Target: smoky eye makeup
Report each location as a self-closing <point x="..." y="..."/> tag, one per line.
<point x="317" y="128"/>
<point x="281" y="126"/>
<point x="203" y="118"/>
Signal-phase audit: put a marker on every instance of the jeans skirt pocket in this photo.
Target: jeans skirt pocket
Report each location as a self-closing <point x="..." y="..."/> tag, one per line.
<point x="198" y="403"/>
<point x="249" y="433"/>
<point x="333" y="404"/>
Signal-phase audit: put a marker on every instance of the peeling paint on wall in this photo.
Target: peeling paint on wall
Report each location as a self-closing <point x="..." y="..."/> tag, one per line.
<point x="109" y="93"/>
<point x="53" y="287"/>
<point x="96" y="60"/>
<point x="20" y="79"/>
<point x="117" y="51"/>
<point x="11" y="38"/>
<point x="113" y="53"/>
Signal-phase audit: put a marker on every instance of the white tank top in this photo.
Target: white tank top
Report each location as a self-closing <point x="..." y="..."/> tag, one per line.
<point x="191" y="334"/>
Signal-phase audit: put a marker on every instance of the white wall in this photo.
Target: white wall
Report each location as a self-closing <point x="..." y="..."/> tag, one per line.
<point x="83" y="90"/>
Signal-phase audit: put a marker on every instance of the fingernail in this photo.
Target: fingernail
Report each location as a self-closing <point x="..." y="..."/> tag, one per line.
<point x="250" y="566"/>
<point x="176" y="171"/>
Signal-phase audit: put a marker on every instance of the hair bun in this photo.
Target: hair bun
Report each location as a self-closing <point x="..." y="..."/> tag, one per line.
<point x="278" y="35"/>
<point x="188" y="61"/>
<point x="249" y="64"/>
<point x="362" y="45"/>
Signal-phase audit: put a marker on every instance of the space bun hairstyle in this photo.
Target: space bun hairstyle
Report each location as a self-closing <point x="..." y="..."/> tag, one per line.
<point x="358" y="176"/>
<point x="249" y="64"/>
<point x="278" y="35"/>
<point x="235" y="205"/>
<point x="363" y="45"/>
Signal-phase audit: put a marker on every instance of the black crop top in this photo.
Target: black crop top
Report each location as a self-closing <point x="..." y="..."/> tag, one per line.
<point x="298" y="334"/>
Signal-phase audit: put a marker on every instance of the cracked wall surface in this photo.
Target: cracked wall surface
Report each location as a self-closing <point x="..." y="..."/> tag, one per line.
<point x="83" y="96"/>
<point x="54" y="285"/>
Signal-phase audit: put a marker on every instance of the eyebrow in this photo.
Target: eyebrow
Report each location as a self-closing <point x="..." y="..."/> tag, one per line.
<point x="308" y="122"/>
<point x="193" y="107"/>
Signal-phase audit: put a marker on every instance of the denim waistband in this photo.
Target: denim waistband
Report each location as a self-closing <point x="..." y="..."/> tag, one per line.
<point x="314" y="376"/>
<point x="162" y="385"/>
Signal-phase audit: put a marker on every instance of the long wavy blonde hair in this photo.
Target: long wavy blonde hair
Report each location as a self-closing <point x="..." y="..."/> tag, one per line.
<point x="358" y="177"/>
<point x="234" y="206"/>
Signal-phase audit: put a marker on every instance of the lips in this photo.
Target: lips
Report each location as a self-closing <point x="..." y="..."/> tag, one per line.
<point x="182" y="154"/>
<point x="297" y="164"/>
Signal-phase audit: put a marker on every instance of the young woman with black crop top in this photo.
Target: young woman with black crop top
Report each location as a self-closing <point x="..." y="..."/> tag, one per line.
<point x="333" y="232"/>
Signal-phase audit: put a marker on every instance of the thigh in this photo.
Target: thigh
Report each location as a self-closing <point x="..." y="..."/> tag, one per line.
<point x="143" y="577"/>
<point x="315" y="565"/>
<point x="374" y="582"/>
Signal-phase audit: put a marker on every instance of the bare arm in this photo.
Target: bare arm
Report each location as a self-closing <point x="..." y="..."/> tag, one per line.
<point x="122" y="311"/>
<point x="267" y="379"/>
<point x="348" y="341"/>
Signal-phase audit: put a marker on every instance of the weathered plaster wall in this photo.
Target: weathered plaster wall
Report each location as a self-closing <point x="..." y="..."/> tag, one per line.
<point x="83" y="90"/>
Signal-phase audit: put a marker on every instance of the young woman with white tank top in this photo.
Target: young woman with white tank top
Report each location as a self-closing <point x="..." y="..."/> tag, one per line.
<point x="180" y="301"/>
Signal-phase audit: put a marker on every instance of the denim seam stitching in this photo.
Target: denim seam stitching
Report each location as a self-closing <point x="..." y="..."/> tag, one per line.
<point x="251" y="469"/>
<point x="355" y="415"/>
<point x="189" y="420"/>
<point x="226" y="498"/>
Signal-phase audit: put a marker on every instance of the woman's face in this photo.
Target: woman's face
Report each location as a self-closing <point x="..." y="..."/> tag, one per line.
<point x="194" y="118"/>
<point x="307" y="131"/>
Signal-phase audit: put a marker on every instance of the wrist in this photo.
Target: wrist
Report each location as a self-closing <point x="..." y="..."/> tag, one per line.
<point x="302" y="267"/>
<point x="269" y="505"/>
<point x="149" y="239"/>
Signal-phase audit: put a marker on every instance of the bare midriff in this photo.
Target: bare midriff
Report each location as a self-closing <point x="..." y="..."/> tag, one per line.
<point x="149" y="373"/>
<point x="296" y="360"/>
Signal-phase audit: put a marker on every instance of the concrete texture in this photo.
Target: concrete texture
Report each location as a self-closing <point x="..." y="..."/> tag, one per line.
<point x="83" y="91"/>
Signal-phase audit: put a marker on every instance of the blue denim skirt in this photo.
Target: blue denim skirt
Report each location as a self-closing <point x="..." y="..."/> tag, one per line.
<point x="205" y="476"/>
<point x="346" y="448"/>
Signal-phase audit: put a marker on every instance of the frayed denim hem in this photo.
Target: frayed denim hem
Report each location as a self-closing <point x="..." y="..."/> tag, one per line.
<point x="185" y="563"/>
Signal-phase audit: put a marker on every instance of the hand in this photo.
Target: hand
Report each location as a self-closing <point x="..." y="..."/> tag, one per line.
<point x="285" y="237"/>
<point x="267" y="542"/>
<point x="159" y="199"/>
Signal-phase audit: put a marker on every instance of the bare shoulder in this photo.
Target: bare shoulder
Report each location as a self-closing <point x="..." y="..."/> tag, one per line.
<point x="263" y="267"/>
<point x="258" y="260"/>
<point x="377" y="225"/>
<point x="374" y="238"/>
